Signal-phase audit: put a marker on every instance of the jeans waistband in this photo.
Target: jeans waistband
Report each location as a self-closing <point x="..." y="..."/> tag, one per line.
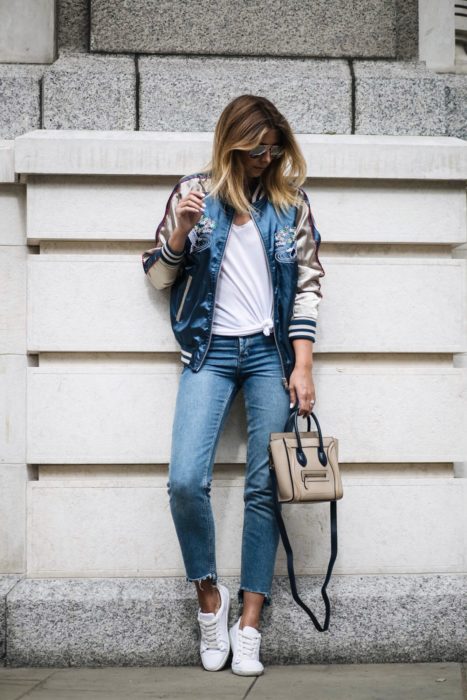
<point x="246" y="335"/>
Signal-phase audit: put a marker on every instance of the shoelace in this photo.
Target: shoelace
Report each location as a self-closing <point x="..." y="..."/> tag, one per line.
<point x="248" y="646"/>
<point x="210" y="635"/>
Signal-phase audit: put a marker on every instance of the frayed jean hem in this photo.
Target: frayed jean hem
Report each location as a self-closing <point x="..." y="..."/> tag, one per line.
<point x="213" y="577"/>
<point x="267" y="596"/>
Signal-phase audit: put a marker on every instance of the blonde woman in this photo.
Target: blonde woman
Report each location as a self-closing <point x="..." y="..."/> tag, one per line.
<point x="238" y="246"/>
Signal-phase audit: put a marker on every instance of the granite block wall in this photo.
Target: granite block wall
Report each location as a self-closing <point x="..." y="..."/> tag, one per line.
<point x="331" y="67"/>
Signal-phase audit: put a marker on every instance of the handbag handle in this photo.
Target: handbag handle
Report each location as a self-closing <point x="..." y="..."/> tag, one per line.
<point x="301" y="457"/>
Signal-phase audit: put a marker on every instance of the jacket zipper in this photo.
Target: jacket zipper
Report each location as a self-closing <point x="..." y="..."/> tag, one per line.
<point x="187" y="287"/>
<point x="215" y="292"/>
<point x="284" y="378"/>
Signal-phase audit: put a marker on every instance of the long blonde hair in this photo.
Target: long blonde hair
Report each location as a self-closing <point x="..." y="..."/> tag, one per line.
<point x="241" y="126"/>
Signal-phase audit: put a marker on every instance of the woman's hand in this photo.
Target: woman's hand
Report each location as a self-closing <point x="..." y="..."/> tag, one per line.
<point x="189" y="211"/>
<point x="302" y="388"/>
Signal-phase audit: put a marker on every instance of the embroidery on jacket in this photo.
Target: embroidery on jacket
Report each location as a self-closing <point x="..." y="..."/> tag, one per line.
<point x="286" y="245"/>
<point x="200" y="234"/>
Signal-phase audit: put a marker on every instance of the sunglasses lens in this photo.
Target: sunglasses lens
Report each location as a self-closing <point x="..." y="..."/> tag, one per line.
<point x="257" y="152"/>
<point x="276" y="151"/>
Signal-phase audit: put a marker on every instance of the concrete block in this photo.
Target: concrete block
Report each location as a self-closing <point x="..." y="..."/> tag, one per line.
<point x="27" y="31"/>
<point x="13" y="215"/>
<point x="90" y="92"/>
<point x="7" y="161"/>
<point x="339" y="156"/>
<point x="405" y="212"/>
<point x="171" y="100"/>
<point x="13" y="272"/>
<point x="320" y="28"/>
<point x="110" y="209"/>
<point x="437" y="34"/>
<point x="125" y="622"/>
<point x="398" y="97"/>
<point x="13" y="481"/>
<point x="13" y="409"/>
<point x="20" y="109"/>
<point x="122" y="526"/>
<point x="119" y="208"/>
<point x="129" y="315"/>
<point x="78" y="413"/>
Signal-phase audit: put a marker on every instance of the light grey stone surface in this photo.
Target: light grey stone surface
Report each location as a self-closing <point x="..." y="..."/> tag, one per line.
<point x="19" y="99"/>
<point x="246" y="27"/>
<point x="7" y="581"/>
<point x="398" y="97"/>
<point x="82" y="91"/>
<point x="456" y="105"/>
<point x="73" y="26"/>
<point x="435" y="681"/>
<point x="406" y="29"/>
<point x="27" y="31"/>
<point x="188" y="94"/>
<point x="123" y="621"/>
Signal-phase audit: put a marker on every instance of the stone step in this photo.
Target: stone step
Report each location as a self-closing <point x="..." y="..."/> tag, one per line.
<point x="130" y="621"/>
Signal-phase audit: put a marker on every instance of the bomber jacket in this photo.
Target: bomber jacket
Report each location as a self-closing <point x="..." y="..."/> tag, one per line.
<point x="291" y="242"/>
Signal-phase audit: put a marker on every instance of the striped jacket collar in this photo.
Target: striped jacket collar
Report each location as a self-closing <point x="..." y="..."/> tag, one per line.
<point x="258" y="192"/>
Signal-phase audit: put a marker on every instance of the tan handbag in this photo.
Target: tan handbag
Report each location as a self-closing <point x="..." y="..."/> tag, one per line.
<point x="304" y="469"/>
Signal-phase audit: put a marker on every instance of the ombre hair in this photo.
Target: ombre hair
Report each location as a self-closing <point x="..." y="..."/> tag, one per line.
<point x="241" y="126"/>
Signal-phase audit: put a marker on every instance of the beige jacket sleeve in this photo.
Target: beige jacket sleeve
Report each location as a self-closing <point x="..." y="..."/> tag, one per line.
<point x="308" y="294"/>
<point x="161" y="264"/>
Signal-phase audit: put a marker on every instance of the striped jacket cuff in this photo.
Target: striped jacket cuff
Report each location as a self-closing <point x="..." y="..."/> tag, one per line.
<point x="170" y="256"/>
<point x="302" y="328"/>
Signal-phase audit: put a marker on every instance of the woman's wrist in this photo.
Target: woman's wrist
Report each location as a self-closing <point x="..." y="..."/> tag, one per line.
<point x="177" y="241"/>
<point x="303" y="349"/>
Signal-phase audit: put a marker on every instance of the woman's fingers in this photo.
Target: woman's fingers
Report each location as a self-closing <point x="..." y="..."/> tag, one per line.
<point x="188" y="207"/>
<point x="191" y="203"/>
<point x="195" y="198"/>
<point x="305" y="405"/>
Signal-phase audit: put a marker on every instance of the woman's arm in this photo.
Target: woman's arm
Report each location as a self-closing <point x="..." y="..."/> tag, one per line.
<point x="303" y="323"/>
<point x="162" y="263"/>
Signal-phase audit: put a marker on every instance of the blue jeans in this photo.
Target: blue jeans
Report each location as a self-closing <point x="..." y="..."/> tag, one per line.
<point x="203" y="402"/>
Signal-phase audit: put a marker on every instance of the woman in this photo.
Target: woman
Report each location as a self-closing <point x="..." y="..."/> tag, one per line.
<point x="239" y="249"/>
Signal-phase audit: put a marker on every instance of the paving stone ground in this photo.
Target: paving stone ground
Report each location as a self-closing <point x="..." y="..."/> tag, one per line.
<point x="418" y="681"/>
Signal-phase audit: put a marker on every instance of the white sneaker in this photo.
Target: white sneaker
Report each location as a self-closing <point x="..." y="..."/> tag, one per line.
<point x="215" y="645"/>
<point x="245" y="649"/>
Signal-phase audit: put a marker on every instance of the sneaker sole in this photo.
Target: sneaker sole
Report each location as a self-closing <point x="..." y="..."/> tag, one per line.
<point x="251" y="673"/>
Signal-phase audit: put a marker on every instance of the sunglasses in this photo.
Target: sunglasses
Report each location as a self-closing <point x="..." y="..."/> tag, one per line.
<point x="275" y="151"/>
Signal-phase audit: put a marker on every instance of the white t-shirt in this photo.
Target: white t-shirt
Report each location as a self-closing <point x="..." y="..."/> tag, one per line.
<point x="244" y="295"/>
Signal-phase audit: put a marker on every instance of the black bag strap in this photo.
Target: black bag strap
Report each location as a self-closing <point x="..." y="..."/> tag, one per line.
<point x="290" y="568"/>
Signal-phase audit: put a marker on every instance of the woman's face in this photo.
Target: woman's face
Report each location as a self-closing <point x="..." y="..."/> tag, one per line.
<point x="254" y="167"/>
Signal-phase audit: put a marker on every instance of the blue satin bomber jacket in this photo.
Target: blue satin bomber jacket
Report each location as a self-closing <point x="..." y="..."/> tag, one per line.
<point x="291" y="242"/>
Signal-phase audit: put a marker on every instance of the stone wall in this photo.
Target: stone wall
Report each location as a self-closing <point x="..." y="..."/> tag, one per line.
<point x="331" y="67"/>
